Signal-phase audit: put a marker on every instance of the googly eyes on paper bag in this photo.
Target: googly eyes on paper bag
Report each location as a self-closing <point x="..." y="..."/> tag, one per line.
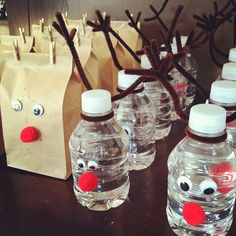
<point x="40" y="107"/>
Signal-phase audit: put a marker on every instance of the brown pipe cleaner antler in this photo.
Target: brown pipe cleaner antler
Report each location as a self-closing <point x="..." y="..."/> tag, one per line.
<point x="62" y="29"/>
<point x="157" y="15"/>
<point x="159" y="72"/>
<point x="134" y="24"/>
<point x="210" y="24"/>
<point x="105" y="27"/>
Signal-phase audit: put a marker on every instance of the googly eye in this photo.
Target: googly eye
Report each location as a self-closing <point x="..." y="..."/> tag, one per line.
<point x="208" y="186"/>
<point x="184" y="183"/>
<point x="127" y="130"/>
<point x="16" y="105"/>
<point x="81" y="164"/>
<point x="37" y="109"/>
<point x="92" y="165"/>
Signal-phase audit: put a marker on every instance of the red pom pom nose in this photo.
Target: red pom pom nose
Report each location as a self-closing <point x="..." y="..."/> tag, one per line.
<point x="29" y="134"/>
<point x="193" y="214"/>
<point x="88" y="182"/>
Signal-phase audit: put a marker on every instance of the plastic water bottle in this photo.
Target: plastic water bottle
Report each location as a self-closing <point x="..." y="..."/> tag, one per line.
<point x="99" y="153"/>
<point x="190" y="65"/>
<point x="135" y="114"/>
<point x="202" y="176"/>
<point x="223" y="93"/>
<point x="161" y="102"/>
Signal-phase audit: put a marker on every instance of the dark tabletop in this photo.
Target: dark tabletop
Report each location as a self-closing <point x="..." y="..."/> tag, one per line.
<point x="32" y="205"/>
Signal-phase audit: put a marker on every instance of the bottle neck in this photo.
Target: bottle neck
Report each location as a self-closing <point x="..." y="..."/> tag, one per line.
<point x="226" y="106"/>
<point x="139" y="89"/>
<point x="206" y="138"/>
<point x="97" y="117"/>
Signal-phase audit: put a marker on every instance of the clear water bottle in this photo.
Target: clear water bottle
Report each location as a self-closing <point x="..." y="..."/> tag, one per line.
<point x="135" y="113"/>
<point x="202" y="176"/>
<point x="161" y="102"/>
<point x="223" y="93"/>
<point x="190" y="65"/>
<point x="99" y="153"/>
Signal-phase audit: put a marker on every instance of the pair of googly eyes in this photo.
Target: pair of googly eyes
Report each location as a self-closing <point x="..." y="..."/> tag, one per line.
<point x="92" y="165"/>
<point x="37" y="109"/>
<point x="207" y="186"/>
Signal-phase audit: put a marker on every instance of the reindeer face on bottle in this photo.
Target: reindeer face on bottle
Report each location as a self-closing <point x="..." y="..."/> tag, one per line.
<point x="220" y="181"/>
<point x="88" y="180"/>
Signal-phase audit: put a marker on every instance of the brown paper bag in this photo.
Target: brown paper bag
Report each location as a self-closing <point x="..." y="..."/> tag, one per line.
<point x="84" y="48"/>
<point x="107" y="70"/>
<point x="133" y="40"/>
<point x="130" y="36"/>
<point x="101" y="50"/>
<point x="89" y="62"/>
<point x="6" y="44"/>
<point x="39" y="36"/>
<point x="33" y="81"/>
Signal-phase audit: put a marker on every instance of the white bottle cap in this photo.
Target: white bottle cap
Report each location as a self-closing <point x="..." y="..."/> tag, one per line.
<point x="183" y="40"/>
<point x="232" y="54"/>
<point x="126" y="80"/>
<point x="173" y="47"/>
<point x="96" y="101"/>
<point x="223" y="91"/>
<point x="145" y="63"/>
<point x="229" y="71"/>
<point x="207" y="118"/>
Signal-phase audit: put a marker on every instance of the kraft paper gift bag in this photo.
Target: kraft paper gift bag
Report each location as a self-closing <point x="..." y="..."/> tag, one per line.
<point x="102" y="52"/>
<point x="6" y="44"/>
<point x="84" y="31"/>
<point x="131" y="37"/>
<point x="133" y="40"/>
<point x="83" y="45"/>
<point x="44" y="36"/>
<point x="89" y="61"/>
<point x="40" y="108"/>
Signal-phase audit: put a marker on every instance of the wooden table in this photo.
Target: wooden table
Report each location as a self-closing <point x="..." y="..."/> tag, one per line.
<point x="32" y="205"/>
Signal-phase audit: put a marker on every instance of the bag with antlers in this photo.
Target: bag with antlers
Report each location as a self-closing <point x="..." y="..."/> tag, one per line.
<point x="83" y="46"/>
<point x="133" y="40"/>
<point x="42" y="101"/>
<point x="6" y="44"/>
<point x="44" y="34"/>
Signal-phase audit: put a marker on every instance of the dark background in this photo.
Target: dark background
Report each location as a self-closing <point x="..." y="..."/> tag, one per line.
<point x="26" y="12"/>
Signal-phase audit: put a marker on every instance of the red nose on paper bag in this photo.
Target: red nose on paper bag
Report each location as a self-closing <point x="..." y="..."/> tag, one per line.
<point x="29" y="134"/>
